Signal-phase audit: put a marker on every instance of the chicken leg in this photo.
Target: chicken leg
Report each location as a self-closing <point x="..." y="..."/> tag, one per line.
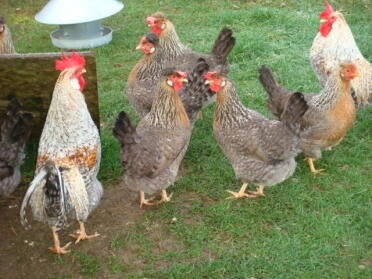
<point x="57" y="245"/>
<point x="259" y="191"/>
<point x="240" y="194"/>
<point x="165" y="197"/>
<point x="143" y="201"/>
<point x="82" y="235"/>
<point x="314" y="171"/>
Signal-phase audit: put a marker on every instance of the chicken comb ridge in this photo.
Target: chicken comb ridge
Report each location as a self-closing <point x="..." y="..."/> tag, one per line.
<point x="327" y="12"/>
<point x="209" y="75"/>
<point x="75" y="61"/>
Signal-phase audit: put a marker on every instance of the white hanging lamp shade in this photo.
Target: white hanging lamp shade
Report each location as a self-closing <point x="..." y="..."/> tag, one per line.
<point x="79" y="22"/>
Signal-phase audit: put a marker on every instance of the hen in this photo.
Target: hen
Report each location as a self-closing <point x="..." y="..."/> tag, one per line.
<point x="151" y="153"/>
<point x="330" y="115"/>
<point x="15" y="129"/>
<point x="6" y="42"/>
<point x="335" y="43"/>
<point x="65" y="185"/>
<point x="164" y="51"/>
<point x="141" y="92"/>
<point x="260" y="150"/>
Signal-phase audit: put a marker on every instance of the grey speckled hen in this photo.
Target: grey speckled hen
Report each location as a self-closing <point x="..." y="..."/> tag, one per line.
<point x="261" y="151"/>
<point x="152" y="152"/>
<point x="163" y="50"/>
<point x="15" y="129"/>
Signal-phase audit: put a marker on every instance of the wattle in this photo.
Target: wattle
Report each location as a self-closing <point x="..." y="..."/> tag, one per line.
<point x="325" y="29"/>
<point x="156" y="29"/>
<point x="81" y="81"/>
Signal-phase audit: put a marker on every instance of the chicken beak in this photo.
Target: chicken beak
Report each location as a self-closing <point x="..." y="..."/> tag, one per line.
<point x="83" y="71"/>
<point x="208" y="82"/>
<point x="138" y="47"/>
<point x="184" y="80"/>
<point x="323" y="21"/>
<point x="354" y="75"/>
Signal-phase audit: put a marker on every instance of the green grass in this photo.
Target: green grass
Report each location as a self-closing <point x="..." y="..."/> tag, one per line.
<point x="306" y="227"/>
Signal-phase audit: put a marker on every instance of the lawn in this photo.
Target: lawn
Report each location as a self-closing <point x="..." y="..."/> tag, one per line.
<point x="306" y="227"/>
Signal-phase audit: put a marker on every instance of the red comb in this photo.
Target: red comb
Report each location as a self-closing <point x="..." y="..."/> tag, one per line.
<point x="327" y="12"/>
<point x="181" y="74"/>
<point x="209" y="75"/>
<point x="75" y="61"/>
<point x="151" y="20"/>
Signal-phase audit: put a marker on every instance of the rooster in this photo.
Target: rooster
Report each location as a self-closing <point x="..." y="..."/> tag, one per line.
<point x="260" y="150"/>
<point x="151" y="153"/>
<point x="335" y="43"/>
<point x="6" y="42"/>
<point x="65" y="185"/>
<point x="330" y="115"/>
<point x="15" y="129"/>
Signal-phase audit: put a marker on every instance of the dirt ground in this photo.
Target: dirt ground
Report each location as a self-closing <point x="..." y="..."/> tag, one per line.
<point x="24" y="254"/>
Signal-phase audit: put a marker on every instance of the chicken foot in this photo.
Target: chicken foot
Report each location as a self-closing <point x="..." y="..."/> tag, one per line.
<point x="164" y="196"/>
<point x="82" y="235"/>
<point x="240" y="194"/>
<point x="143" y="201"/>
<point x="314" y="171"/>
<point x="259" y="191"/>
<point x="57" y="245"/>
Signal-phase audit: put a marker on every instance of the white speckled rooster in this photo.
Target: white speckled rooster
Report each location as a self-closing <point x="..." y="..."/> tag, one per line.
<point x="65" y="184"/>
<point x="334" y="44"/>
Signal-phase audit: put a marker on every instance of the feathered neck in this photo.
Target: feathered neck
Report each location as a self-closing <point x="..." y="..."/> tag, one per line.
<point x="334" y="89"/>
<point x="6" y="42"/>
<point x="167" y="110"/>
<point x="170" y="43"/>
<point x="229" y="111"/>
<point x="151" y="65"/>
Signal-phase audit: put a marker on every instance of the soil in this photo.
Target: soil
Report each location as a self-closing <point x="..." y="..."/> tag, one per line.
<point x="25" y="254"/>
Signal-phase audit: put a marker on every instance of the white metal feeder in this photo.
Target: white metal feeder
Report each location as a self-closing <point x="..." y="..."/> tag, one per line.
<point x="79" y="22"/>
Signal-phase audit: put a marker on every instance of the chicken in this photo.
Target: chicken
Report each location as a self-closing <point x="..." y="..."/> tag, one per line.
<point x="65" y="186"/>
<point x="15" y="129"/>
<point x="167" y="51"/>
<point x="140" y="92"/>
<point x="335" y="43"/>
<point x="330" y="115"/>
<point x="6" y="42"/>
<point x="151" y="153"/>
<point x="260" y="150"/>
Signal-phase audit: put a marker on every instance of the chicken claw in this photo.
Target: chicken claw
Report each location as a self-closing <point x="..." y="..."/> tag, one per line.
<point x="314" y="171"/>
<point x="82" y="235"/>
<point x="57" y="245"/>
<point x="240" y="194"/>
<point x="259" y="192"/>
<point x="147" y="202"/>
<point x="165" y="197"/>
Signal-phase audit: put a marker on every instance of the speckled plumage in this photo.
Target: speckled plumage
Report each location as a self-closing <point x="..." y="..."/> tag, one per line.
<point x="152" y="152"/>
<point x="260" y="150"/>
<point x="69" y="145"/>
<point x="15" y="129"/>
<point x="330" y="115"/>
<point x="339" y="45"/>
<point x="6" y="42"/>
<point x="171" y="53"/>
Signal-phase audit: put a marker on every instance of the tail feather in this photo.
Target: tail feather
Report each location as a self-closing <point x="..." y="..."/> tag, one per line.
<point x="196" y="93"/>
<point x="123" y="129"/>
<point x="278" y="95"/>
<point x="52" y="175"/>
<point x="294" y="110"/>
<point x="223" y="45"/>
<point x="26" y="200"/>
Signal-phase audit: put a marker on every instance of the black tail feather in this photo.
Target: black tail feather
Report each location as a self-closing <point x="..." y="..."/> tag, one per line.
<point x="294" y="110"/>
<point x="123" y="129"/>
<point x="223" y="45"/>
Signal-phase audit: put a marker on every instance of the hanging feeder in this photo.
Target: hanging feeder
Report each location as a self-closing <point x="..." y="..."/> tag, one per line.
<point x="79" y="22"/>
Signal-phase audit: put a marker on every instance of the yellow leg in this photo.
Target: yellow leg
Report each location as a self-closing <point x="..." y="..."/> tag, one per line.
<point x="240" y="194"/>
<point x="57" y="245"/>
<point x="314" y="171"/>
<point x="259" y="191"/>
<point x="165" y="197"/>
<point x="143" y="201"/>
<point x="82" y="235"/>
<point x="200" y="114"/>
